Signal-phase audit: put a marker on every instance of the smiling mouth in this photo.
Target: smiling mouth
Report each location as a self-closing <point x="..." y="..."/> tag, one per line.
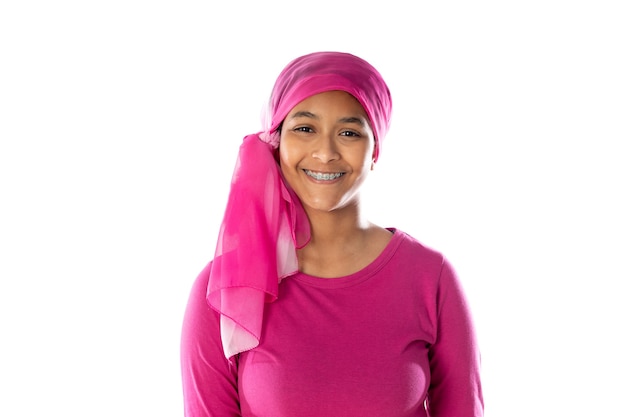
<point x="323" y="176"/>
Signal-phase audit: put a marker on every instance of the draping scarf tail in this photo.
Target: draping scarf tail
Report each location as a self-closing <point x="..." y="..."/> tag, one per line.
<point x="263" y="225"/>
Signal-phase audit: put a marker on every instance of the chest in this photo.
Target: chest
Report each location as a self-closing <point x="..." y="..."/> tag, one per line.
<point x="339" y="353"/>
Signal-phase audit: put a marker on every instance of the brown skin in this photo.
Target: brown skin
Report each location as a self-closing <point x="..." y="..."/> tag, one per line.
<point x="329" y="133"/>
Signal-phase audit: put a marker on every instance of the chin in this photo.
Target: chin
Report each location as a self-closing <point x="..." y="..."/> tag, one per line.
<point x="328" y="206"/>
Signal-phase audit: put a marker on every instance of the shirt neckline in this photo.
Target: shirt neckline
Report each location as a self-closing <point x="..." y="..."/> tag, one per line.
<point x="359" y="276"/>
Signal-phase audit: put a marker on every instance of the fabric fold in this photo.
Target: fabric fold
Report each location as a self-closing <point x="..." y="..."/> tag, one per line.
<point x="263" y="225"/>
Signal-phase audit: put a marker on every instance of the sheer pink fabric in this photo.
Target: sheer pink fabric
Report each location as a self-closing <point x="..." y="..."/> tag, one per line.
<point x="263" y="225"/>
<point x="264" y="222"/>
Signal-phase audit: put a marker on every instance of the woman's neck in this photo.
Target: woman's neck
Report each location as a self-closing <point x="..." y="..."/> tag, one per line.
<point x="337" y="227"/>
<point x="341" y="242"/>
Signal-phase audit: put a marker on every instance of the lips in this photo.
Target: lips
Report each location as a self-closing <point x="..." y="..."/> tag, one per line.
<point x="323" y="176"/>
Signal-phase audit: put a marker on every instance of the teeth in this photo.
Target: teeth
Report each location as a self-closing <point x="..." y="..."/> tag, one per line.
<point x="323" y="176"/>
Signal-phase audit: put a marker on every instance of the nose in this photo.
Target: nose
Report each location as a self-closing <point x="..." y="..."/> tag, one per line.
<point x="325" y="149"/>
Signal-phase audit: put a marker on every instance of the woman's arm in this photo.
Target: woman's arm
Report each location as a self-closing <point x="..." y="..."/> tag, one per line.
<point x="455" y="389"/>
<point x="209" y="379"/>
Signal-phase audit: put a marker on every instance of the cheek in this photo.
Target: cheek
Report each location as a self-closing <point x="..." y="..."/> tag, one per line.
<point x="284" y="161"/>
<point x="282" y="156"/>
<point x="368" y="153"/>
<point x="287" y="154"/>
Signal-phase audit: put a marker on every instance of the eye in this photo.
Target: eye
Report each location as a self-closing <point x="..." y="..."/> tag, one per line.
<point x="350" y="133"/>
<point x="305" y="129"/>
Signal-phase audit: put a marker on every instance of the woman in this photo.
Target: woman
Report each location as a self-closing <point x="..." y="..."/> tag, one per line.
<point x="307" y="308"/>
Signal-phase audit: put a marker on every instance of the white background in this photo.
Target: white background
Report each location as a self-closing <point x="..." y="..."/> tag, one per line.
<point x="119" y="126"/>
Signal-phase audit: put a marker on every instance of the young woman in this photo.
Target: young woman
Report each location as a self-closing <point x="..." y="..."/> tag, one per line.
<point x="307" y="308"/>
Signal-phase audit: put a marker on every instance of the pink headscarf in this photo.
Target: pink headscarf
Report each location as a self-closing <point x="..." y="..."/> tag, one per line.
<point x="264" y="221"/>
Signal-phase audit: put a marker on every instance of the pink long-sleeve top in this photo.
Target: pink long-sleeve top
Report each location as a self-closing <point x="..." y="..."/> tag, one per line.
<point x="394" y="339"/>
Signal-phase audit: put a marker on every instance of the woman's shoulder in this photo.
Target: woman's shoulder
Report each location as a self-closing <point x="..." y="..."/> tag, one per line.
<point x="420" y="263"/>
<point x="416" y="247"/>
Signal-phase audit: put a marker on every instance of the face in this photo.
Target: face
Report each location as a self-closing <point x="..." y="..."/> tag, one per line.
<point x="326" y="150"/>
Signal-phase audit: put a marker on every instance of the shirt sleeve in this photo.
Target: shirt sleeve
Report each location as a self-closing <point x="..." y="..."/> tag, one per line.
<point x="209" y="379"/>
<point x="455" y="389"/>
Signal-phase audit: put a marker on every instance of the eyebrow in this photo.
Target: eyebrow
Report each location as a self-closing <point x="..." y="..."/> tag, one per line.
<point x="350" y="119"/>
<point x="356" y="120"/>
